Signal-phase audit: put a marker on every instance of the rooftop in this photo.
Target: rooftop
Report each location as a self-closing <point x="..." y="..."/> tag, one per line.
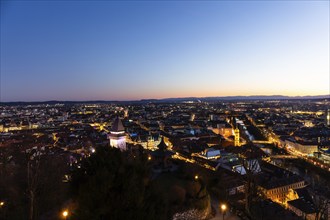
<point x="117" y="125"/>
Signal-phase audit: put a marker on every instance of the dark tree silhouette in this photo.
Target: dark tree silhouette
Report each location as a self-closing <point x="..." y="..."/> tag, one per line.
<point x="251" y="188"/>
<point x="115" y="185"/>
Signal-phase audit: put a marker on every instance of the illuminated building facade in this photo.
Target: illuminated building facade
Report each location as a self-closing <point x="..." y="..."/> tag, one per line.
<point x="277" y="190"/>
<point x="328" y="117"/>
<point x="301" y="203"/>
<point x="301" y="147"/>
<point x="117" y="135"/>
<point x="236" y="141"/>
<point x="192" y="117"/>
<point x="222" y="128"/>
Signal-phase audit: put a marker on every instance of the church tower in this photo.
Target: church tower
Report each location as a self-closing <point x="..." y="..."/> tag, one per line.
<point x="126" y="113"/>
<point x="117" y="135"/>
<point x="236" y="141"/>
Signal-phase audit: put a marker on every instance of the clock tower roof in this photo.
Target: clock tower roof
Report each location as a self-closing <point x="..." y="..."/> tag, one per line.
<point x="117" y="125"/>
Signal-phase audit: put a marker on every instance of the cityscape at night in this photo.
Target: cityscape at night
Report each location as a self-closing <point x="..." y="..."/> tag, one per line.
<point x="165" y="110"/>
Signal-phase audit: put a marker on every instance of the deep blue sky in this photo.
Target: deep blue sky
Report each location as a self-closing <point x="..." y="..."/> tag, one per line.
<point x="86" y="50"/>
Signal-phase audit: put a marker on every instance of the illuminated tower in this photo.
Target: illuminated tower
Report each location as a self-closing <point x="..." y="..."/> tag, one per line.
<point x="328" y="117"/>
<point x="117" y="135"/>
<point x="192" y="117"/>
<point x="236" y="141"/>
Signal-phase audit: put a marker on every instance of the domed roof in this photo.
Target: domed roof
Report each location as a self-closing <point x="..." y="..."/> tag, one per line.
<point x="117" y="125"/>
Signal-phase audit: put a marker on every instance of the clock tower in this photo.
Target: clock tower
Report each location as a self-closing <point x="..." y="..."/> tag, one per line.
<point x="117" y="135"/>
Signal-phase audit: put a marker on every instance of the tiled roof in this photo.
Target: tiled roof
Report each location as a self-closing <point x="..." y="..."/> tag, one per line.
<point x="117" y="125"/>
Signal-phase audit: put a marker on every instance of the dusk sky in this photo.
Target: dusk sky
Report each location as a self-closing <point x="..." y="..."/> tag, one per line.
<point x="87" y="50"/>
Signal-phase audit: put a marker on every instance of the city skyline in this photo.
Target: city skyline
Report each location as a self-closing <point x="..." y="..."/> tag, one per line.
<point x="144" y="50"/>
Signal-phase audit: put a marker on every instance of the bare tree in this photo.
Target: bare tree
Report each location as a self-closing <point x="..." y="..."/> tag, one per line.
<point x="251" y="189"/>
<point x="33" y="174"/>
<point x="320" y="193"/>
<point x="321" y="204"/>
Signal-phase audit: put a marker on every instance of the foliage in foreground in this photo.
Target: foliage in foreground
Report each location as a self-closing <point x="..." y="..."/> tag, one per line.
<point x="115" y="185"/>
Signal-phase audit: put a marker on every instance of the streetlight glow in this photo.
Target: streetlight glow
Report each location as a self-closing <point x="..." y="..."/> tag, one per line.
<point x="196" y="177"/>
<point x="65" y="213"/>
<point x="2" y="203"/>
<point x="223" y="207"/>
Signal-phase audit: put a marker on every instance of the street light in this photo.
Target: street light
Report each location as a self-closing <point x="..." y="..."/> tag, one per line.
<point x="2" y="206"/>
<point x="65" y="214"/>
<point x="196" y="177"/>
<point x="223" y="210"/>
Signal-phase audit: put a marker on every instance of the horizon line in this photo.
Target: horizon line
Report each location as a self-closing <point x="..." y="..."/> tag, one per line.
<point x="327" y="96"/>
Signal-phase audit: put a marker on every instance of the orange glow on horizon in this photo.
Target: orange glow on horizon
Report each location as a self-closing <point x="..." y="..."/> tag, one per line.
<point x="222" y="94"/>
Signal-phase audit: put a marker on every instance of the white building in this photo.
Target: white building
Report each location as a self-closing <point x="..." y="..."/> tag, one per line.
<point x="117" y="135"/>
<point x="300" y="147"/>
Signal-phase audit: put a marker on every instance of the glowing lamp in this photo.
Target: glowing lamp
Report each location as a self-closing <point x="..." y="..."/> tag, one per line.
<point x="223" y="207"/>
<point x="65" y="213"/>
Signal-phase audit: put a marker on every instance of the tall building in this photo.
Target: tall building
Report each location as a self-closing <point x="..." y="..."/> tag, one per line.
<point x="328" y="117"/>
<point x="192" y="117"/>
<point x="236" y="141"/>
<point x="117" y="135"/>
<point x="126" y="113"/>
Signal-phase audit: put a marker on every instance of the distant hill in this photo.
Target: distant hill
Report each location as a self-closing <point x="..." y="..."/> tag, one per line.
<point x="240" y="98"/>
<point x="185" y="99"/>
<point x="53" y="102"/>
